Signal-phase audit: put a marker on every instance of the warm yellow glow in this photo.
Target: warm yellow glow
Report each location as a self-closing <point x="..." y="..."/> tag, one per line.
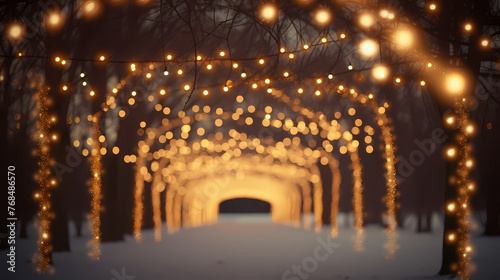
<point x="162" y="92"/>
<point x="451" y="207"/>
<point x="15" y="31"/>
<point x="366" y="19"/>
<point x="282" y="50"/>
<point x="65" y="88"/>
<point x="380" y="72"/>
<point x="186" y="87"/>
<point x="451" y="237"/>
<point x="222" y="53"/>
<point x="342" y="36"/>
<point x="55" y="19"/>
<point x="368" y="48"/>
<point x="429" y="65"/>
<point x="179" y="72"/>
<point x="205" y="92"/>
<point x="455" y="83"/>
<point x="404" y="38"/>
<point x="422" y="83"/>
<point x="243" y="74"/>
<point x="209" y="66"/>
<point x="468" y="27"/>
<point x="322" y="16"/>
<point x="398" y="80"/>
<point x="306" y="46"/>
<point x="92" y="93"/>
<point x="286" y="74"/>
<point x="432" y="7"/>
<point x="148" y="75"/>
<point x="269" y="12"/>
<point x="451" y="152"/>
<point x="485" y="43"/>
<point x="261" y="61"/>
<point x="323" y="40"/>
<point x="317" y="93"/>
<point x="350" y="67"/>
<point x="300" y="90"/>
<point x="169" y="57"/>
<point x="384" y="13"/>
<point x="291" y="56"/>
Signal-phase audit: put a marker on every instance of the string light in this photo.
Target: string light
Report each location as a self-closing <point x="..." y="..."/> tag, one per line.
<point x="95" y="191"/>
<point x="43" y="177"/>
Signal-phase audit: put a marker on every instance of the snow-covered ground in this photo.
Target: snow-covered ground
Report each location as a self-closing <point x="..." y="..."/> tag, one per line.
<point x="250" y="247"/>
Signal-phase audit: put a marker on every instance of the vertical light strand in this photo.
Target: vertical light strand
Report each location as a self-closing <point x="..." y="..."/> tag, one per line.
<point x="336" y="179"/>
<point x="43" y="178"/>
<point x="465" y="129"/>
<point x="95" y="191"/>
<point x="139" y="188"/>
<point x="156" y="188"/>
<point x="357" y="198"/>
<point x="307" y="204"/>
<point x="317" y="197"/>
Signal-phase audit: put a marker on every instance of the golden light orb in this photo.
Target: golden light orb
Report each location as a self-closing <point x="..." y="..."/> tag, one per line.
<point x="222" y="53"/>
<point x="380" y="72"/>
<point x="102" y="58"/>
<point x="269" y="12"/>
<point x="342" y="36"/>
<point x="432" y="7"/>
<point x="205" y="92"/>
<point x="384" y="13"/>
<point x="404" y="38"/>
<point x="455" y="83"/>
<point x="163" y="92"/>
<point x="451" y="207"/>
<point x="15" y="31"/>
<point x="422" y="83"/>
<point x="398" y="80"/>
<point x="368" y="48"/>
<point x="54" y="19"/>
<point x="186" y="87"/>
<point x="468" y="27"/>
<point x="485" y="43"/>
<point x="366" y="19"/>
<point x="451" y="152"/>
<point x="322" y="16"/>
<point x="91" y="8"/>
<point x="350" y="67"/>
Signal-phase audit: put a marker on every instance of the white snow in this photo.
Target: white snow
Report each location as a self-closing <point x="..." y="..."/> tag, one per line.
<point x="248" y="246"/>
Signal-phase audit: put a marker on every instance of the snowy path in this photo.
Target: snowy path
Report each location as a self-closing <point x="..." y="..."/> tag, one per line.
<point x="255" y="250"/>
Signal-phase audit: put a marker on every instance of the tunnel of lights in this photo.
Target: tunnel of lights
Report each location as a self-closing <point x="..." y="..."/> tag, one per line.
<point x="203" y="155"/>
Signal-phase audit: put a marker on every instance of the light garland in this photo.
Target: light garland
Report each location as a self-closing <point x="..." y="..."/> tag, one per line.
<point x="464" y="165"/>
<point x="95" y="191"/>
<point x="45" y="182"/>
<point x="357" y="198"/>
